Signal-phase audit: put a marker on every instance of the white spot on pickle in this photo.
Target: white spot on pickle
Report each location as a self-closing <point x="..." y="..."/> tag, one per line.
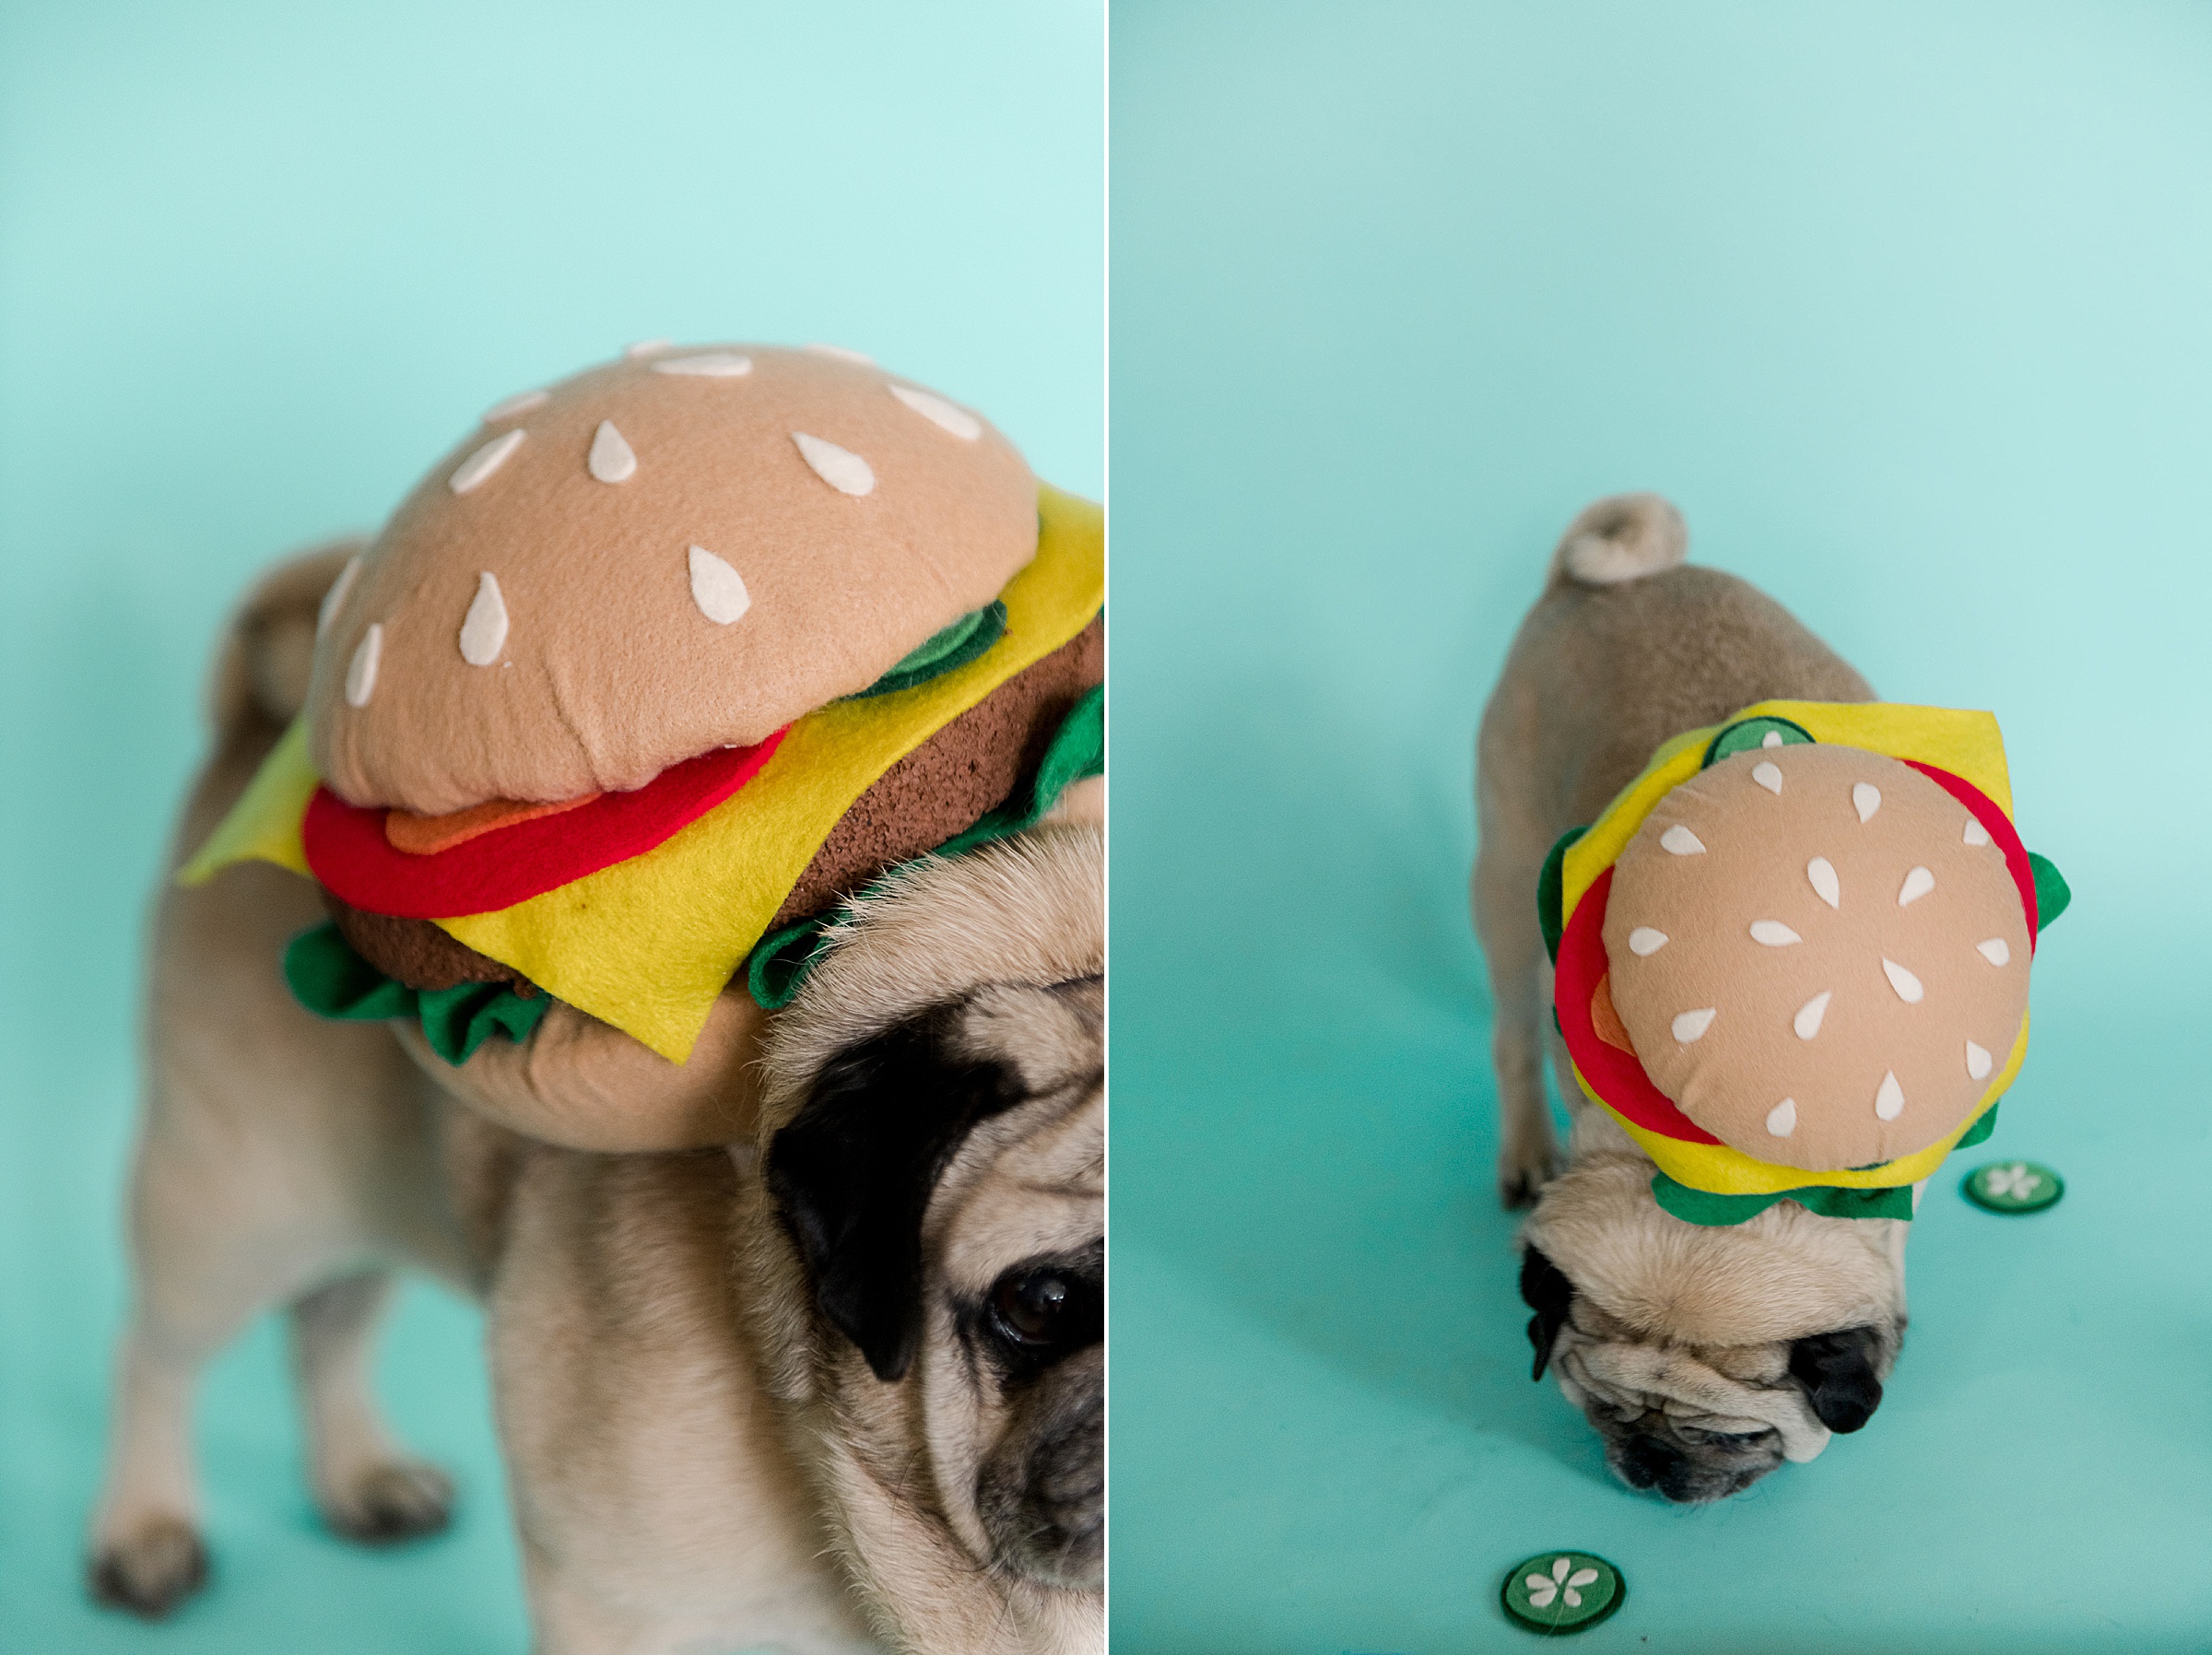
<point x="707" y="364"/>
<point x="1678" y="840"/>
<point x="840" y="467"/>
<point x="1781" y="1120"/>
<point x="1996" y="951"/>
<point x="485" y="461"/>
<point x="717" y="589"/>
<point x="1773" y="934"/>
<point x="1866" y="798"/>
<point x="1644" y="941"/>
<point x="360" y="673"/>
<point x="1807" y="1020"/>
<point x="1907" y="985"/>
<point x="940" y="413"/>
<point x="1822" y="873"/>
<point x="611" y="460"/>
<point x="1976" y="835"/>
<point x="522" y="402"/>
<point x="1773" y="738"/>
<point x="1918" y="884"/>
<point x="1769" y="776"/>
<point x="1889" y="1098"/>
<point x="1691" y="1025"/>
<point x="484" y="632"/>
<point x="1977" y="1062"/>
<point x="334" y="599"/>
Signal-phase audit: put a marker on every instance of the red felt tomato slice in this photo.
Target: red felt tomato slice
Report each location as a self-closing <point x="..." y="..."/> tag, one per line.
<point x="346" y="848"/>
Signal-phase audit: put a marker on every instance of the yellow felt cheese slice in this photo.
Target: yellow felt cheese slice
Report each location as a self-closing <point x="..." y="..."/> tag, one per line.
<point x="264" y="824"/>
<point x="649" y="944"/>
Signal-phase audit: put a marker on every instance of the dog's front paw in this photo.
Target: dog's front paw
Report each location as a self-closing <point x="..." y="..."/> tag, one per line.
<point x="390" y="1501"/>
<point x="1523" y="1171"/>
<point x="151" y="1569"/>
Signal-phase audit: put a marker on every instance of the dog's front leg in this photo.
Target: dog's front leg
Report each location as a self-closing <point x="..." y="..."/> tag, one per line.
<point x="1505" y="921"/>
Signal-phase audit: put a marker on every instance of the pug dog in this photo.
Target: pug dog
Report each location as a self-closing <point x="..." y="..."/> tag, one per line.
<point x="1704" y="1357"/>
<point x="669" y="1495"/>
<point x="925" y="1258"/>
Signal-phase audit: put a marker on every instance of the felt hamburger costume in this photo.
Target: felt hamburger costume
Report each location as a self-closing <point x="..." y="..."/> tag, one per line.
<point x="648" y="676"/>
<point x="1791" y="957"/>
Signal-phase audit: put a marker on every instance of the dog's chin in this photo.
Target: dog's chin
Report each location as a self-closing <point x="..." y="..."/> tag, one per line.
<point x="1682" y="1472"/>
<point x="1041" y="1494"/>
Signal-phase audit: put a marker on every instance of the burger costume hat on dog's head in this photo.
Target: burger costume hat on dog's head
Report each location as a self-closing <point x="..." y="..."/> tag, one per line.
<point x="654" y="670"/>
<point x="1792" y="955"/>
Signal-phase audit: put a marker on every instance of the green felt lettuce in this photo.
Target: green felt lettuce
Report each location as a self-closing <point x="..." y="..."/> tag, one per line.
<point x="1704" y="1207"/>
<point x="957" y="645"/>
<point x="781" y="960"/>
<point x="329" y="979"/>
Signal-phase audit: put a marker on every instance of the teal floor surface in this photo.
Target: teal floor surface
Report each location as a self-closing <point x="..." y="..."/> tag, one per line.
<point x="260" y="265"/>
<point x="1906" y="307"/>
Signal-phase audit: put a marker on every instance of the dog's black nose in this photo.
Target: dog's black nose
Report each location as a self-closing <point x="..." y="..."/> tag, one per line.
<point x="1645" y="1461"/>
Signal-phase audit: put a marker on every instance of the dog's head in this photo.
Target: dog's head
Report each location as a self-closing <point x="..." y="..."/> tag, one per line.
<point x="944" y="1185"/>
<point x="1707" y="1356"/>
<point x="929" y="1258"/>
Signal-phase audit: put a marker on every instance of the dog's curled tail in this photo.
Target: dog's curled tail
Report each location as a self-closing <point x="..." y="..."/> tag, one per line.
<point x="261" y="660"/>
<point x="1621" y="538"/>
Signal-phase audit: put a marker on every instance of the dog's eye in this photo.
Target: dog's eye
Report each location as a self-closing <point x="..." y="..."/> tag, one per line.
<point x="1031" y="1307"/>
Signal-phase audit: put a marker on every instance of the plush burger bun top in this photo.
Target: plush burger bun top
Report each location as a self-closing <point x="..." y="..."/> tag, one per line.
<point x="669" y="554"/>
<point x="1818" y="954"/>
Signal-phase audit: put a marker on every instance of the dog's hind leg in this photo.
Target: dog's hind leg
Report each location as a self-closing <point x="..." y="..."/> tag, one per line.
<point x="147" y="1552"/>
<point x="366" y="1486"/>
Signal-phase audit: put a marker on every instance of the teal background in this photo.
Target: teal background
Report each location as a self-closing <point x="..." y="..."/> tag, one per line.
<point x="1910" y="308"/>
<point x="259" y="264"/>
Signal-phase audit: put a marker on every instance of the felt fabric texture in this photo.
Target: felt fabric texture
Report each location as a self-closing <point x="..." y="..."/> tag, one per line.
<point x="2053" y="894"/>
<point x="1738" y="929"/>
<point x="950" y="781"/>
<point x="1968" y="761"/>
<point x="616" y="673"/>
<point x="584" y="1084"/>
<point x="414" y="951"/>
<point x="426" y="836"/>
<point x="1967" y="745"/>
<point x="264" y="825"/>
<point x="955" y="646"/>
<point x="648" y="945"/>
<point x="329" y="979"/>
<point x="961" y="773"/>
<point x="1614" y="1078"/>
<point x="348" y="849"/>
<point x="1702" y="1207"/>
<point x="778" y="964"/>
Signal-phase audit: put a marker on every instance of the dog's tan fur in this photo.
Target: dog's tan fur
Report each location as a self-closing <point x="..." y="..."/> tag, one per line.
<point x="1021" y="929"/>
<point x="668" y="1498"/>
<point x="1626" y="647"/>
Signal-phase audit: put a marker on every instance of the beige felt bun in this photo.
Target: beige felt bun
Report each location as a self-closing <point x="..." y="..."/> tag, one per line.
<point x="1818" y="955"/>
<point x="668" y="554"/>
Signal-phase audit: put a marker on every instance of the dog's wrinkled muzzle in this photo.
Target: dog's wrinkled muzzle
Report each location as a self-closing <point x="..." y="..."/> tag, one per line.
<point x="1641" y="1376"/>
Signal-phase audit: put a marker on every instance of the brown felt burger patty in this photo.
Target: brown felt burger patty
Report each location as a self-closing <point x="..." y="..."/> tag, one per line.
<point x="937" y="790"/>
<point x="1818" y="954"/>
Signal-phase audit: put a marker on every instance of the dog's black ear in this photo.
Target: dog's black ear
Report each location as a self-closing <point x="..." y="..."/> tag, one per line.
<point x="852" y="1174"/>
<point x="1837" y="1371"/>
<point x="1547" y="1291"/>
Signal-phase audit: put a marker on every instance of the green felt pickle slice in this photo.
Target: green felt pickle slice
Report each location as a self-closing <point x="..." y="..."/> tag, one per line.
<point x="2013" y="1187"/>
<point x="1557" y="1593"/>
<point x="1747" y="734"/>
